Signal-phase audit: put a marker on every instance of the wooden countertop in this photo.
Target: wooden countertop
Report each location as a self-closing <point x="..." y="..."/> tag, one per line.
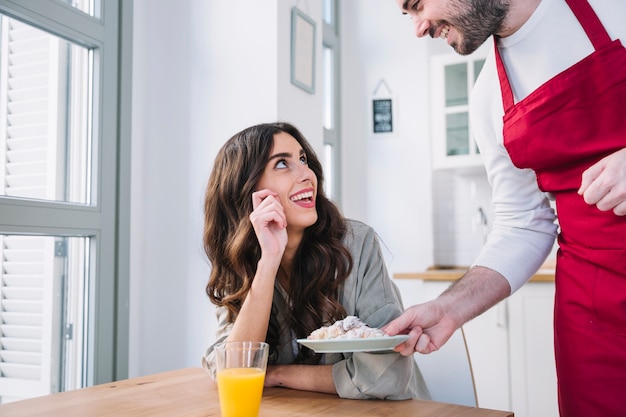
<point x="191" y="393"/>
<point x="452" y="274"/>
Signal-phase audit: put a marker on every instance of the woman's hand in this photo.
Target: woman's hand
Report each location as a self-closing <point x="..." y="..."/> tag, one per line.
<point x="269" y="222"/>
<point x="270" y="226"/>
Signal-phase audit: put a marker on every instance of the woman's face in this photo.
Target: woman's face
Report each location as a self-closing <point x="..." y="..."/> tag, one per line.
<point x="287" y="173"/>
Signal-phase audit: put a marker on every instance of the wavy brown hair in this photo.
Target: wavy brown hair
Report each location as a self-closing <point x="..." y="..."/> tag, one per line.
<point x="322" y="262"/>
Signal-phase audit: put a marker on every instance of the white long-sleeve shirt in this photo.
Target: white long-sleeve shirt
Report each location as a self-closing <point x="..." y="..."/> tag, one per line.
<point x="551" y="41"/>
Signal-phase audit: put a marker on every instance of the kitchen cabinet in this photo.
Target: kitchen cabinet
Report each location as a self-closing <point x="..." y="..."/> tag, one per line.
<point x="531" y="336"/>
<point x="510" y="345"/>
<point x="452" y="79"/>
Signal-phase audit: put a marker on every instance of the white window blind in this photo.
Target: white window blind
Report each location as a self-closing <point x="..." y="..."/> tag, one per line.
<point x="31" y="89"/>
<point x="26" y="337"/>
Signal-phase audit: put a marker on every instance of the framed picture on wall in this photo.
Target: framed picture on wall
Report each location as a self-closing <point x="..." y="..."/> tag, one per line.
<point x="382" y="115"/>
<point x="383" y="111"/>
<point x="302" y="51"/>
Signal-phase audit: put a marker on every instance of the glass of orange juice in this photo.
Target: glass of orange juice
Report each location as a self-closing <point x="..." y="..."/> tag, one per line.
<point x="240" y="375"/>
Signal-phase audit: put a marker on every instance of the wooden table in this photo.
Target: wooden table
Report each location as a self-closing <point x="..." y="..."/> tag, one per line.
<point x="191" y="392"/>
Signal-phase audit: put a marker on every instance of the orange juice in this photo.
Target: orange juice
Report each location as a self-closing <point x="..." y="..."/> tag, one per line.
<point x="240" y="391"/>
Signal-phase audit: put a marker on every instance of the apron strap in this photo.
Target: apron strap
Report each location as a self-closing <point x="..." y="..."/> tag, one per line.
<point x="505" y="86"/>
<point x="589" y="21"/>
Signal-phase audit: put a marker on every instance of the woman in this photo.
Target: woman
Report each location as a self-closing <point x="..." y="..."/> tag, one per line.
<point x="286" y="262"/>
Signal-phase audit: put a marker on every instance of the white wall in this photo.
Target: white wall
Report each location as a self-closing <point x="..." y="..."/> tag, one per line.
<point x="201" y="72"/>
<point x="204" y="70"/>
<point x="387" y="179"/>
<point x="167" y="309"/>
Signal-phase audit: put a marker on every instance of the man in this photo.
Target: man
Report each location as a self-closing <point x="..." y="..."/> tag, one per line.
<point x="548" y="115"/>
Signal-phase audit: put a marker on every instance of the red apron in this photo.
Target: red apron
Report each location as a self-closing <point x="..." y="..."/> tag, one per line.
<point x="559" y="130"/>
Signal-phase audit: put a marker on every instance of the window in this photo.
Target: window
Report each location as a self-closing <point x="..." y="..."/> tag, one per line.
<point x="62" y="256"/>
<point x="330" y="92"/>
<point x="91" y="7"/>
<point x="452" y="79"/>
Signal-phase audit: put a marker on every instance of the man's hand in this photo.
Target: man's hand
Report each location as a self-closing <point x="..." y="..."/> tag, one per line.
<point x="604" y="183"/>
<point x="431" y="324"/>
<point x="426" y="324"/>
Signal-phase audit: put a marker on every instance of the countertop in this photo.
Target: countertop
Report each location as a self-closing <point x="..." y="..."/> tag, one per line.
<point x="545" y="274"/>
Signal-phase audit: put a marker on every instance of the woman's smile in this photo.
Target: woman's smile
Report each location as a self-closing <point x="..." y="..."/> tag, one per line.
<point x="304" y="198"/>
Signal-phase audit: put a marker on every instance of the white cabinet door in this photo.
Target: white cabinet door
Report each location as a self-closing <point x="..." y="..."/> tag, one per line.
<point x="488" y="346"/>
<point x="533" y="372"/>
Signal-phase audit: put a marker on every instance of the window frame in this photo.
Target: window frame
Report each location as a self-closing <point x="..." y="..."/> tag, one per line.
<point x="332" y="137"/>
<point x="106" y="221"/>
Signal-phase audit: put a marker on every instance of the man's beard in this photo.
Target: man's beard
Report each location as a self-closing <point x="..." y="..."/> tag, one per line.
<point x="480" y="19"/>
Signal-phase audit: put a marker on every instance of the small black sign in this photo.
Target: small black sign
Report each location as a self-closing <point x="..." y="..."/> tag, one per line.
<point x="382" y="116"/>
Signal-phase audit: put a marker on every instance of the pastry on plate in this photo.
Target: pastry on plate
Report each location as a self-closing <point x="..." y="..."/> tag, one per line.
<point x="349" y="328"/>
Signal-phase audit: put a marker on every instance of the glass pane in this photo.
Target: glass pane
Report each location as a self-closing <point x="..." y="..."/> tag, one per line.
<point x="91" y="7"/>
<point x="328" y="11"/>
<point x="328" y="87"/>
<point x="328" y="170"/>
<point x="478" y="66"/>
<point x="43" y="321"/>
<point x="457" y="134"/>
<point x="45" y="123"/>
<point x="456" y="85"/>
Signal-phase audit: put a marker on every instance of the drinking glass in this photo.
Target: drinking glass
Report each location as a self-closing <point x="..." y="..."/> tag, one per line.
<point x="240" y="375"/>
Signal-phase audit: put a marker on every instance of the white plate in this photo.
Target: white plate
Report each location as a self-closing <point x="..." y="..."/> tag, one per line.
<point x="368" y="344"/>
